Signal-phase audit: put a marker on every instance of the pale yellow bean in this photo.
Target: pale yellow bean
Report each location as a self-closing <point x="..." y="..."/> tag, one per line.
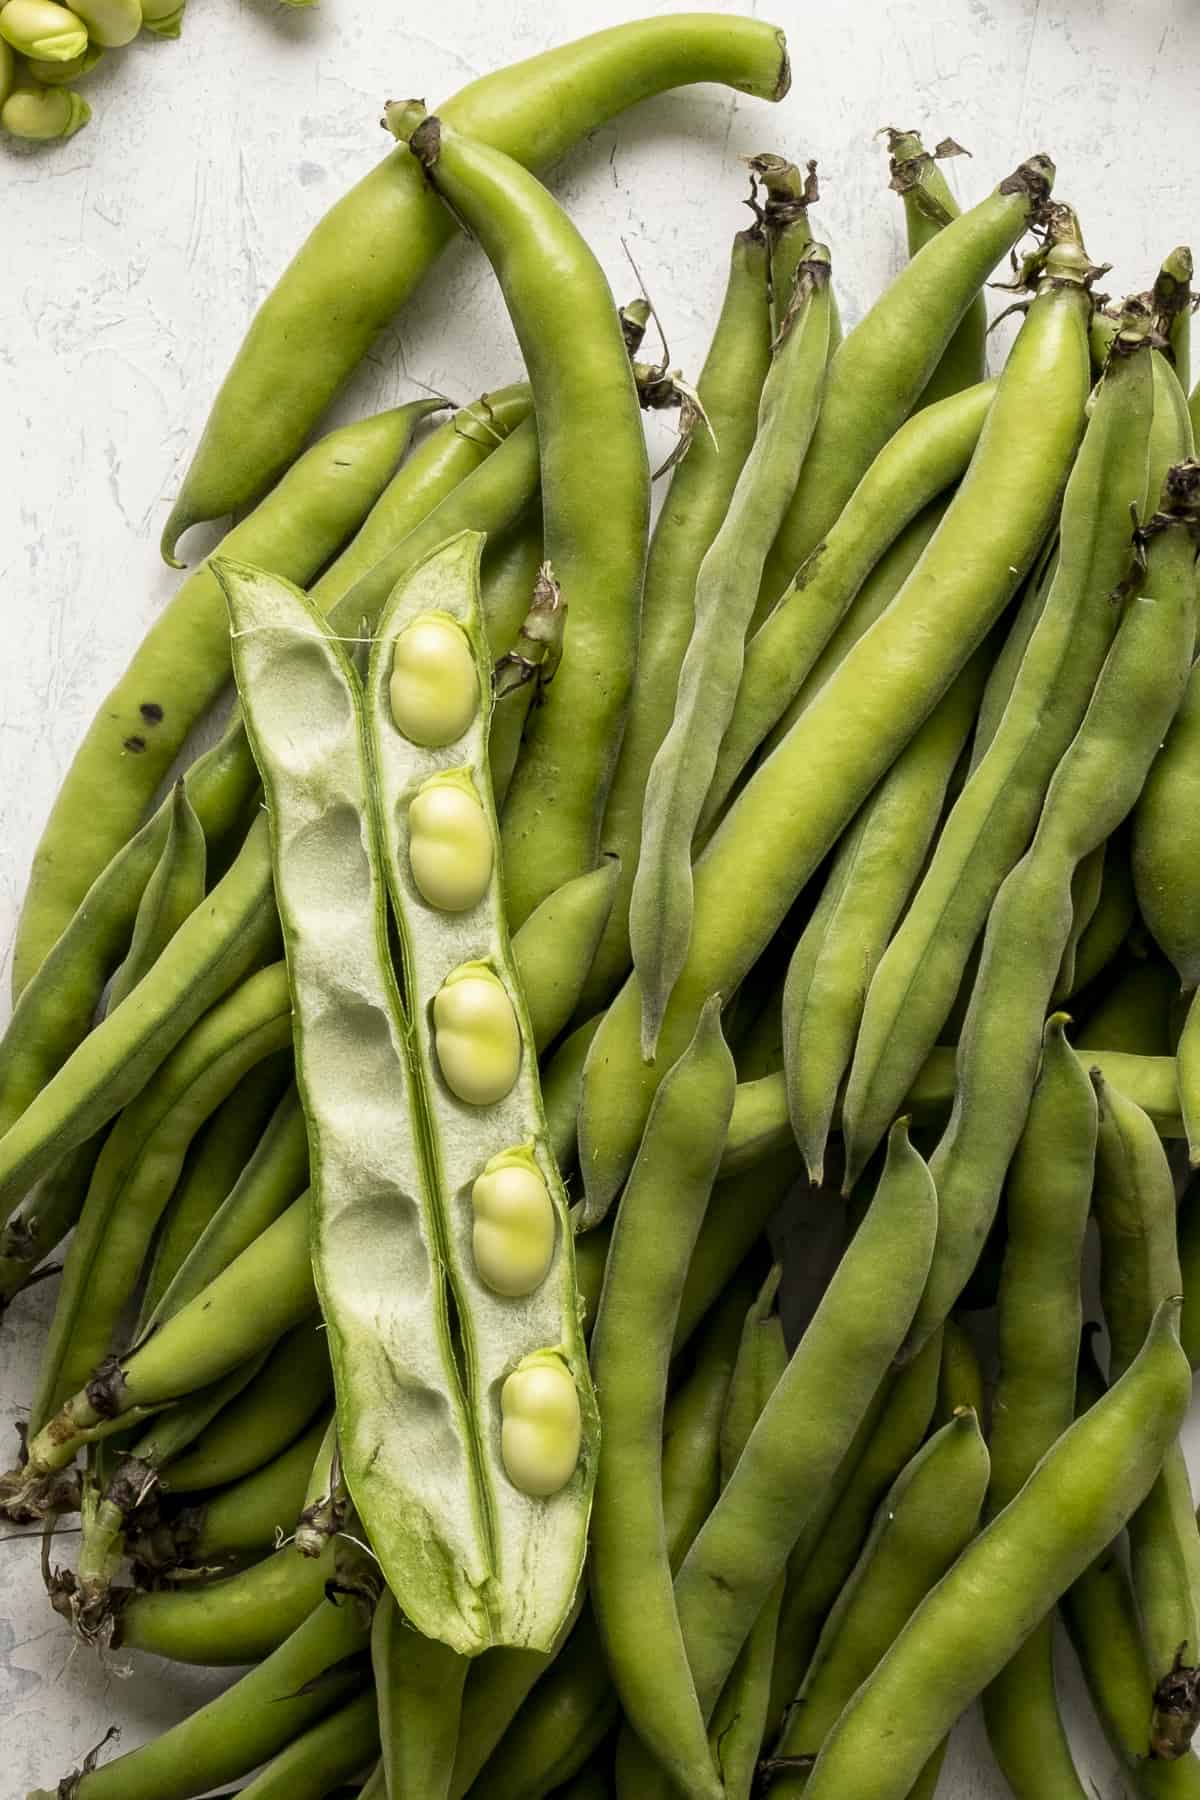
<point x="450" y="848"/>
<point x="514" y="1232"/>
<point x="476" y="1035"/>
<point x="541" y="1431"/>
<point x="434" y="688"/>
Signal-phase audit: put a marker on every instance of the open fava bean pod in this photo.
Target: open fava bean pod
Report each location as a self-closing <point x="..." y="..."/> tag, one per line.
<point x="441" y="1242"/>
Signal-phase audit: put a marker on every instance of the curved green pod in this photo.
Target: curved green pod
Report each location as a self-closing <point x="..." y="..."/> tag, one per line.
<point x="590" y="440"/>
<point x="367" y="255"/>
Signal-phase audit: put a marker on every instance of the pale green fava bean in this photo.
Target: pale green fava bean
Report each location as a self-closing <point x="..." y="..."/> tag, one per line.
<point x="419" y="1685"/>
<point x="590" y="441"/>
<point x="433" y="689"/>
<point x="925" y="457"/>
<point x="660" y="911"/>
<point x="1048" y="1200"/>
<point x="804" y="1430"/>
<point x="926" y="1519"/>
<point x="1072" y="1506"/>
<point x="541" y="1431"/>
<point x="476" y="1035"/>
<point x="656" y="1230"/>
<point x="1092" y="791"/>
<point x="450" y="846"/>
<point x="992" y="820"/>
<point x="52" y="74"/>
<point x="8" y="69"/>
<point x="554" y="948"/>
<point x="801" y="798"/>
<point x="111" y="23"/>
<point x="43" y="113"/>
<point x="881" y="367"/>
<point x="729" y="386"/>
<point x="515" y="1228"/>
<point x="44" y="29"/>
<point x="174" y="891"/>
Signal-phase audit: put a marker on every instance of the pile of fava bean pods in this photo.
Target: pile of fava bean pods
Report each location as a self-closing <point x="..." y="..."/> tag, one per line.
<point x="48" y="45"/>
<point x="574" y="1121"/>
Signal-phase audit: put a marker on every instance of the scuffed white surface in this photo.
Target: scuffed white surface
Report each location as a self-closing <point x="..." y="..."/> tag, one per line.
<point x="134" y="255"/>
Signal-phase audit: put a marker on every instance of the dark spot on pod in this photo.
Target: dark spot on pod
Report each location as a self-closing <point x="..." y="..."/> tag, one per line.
<point x="151" y="711"/>
<point x="136" y="744"/>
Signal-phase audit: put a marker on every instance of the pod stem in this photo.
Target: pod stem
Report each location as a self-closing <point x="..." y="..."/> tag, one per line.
<point x="1176" y="1710"/>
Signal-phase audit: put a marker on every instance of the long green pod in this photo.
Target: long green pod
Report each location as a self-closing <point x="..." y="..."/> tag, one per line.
<point x="1109" y="926"/>
<point x="1030" y="606"/>
<point x="701" y="486"/>
<point x="929" y="207"/>
<point x="275" y="1175"/>
<point x="589" y="433"/>
<point x="990" y="824"/>
<point x="297" y="1684"/>
<point x="821" y="1562"/>
<point x="1048" y="1199"/>
<point x="137" y="1170"/>
<point x="364" y="259"/>
<point x="656" y="1229"/>
<point x="802" y="797"/>
<point x="875" y="869"/>
<point x="1133" y="1012"/>
<point x="511" y="562"/>
<point x="211" y="1170"/>
<point x="737" y="1217"/>
<point x="881" y="367"/>
<point x="800" y="1437"/>
<point x="926" y="1520"/>
<point x="238" y="1619"/>
<point x="1086" y="884"/>
<point x="1165" y="848"/>
<point x="1188" y="1066"/>
<point x="660" y="912"/>
<point x="321" y="1758"/>
<point x="691" y="1443"/>
<point x="960" y="1637"/>
<point x="1093" y="789"/>
<point x="927" y="455"/>
<point x="175" y="890"/>
<point x="418" y="1690"/>
<point x="512" y="1276"/>
<point x="556" y="945"/>
<point x="182" y="664"/>
<point x="566" y="1717"/>
<point x="1139" y="1268"/>
<point x="56" y="1008"/>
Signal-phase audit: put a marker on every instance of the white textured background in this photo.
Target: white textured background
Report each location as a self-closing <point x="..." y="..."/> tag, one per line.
<point x="133" y="256"/>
